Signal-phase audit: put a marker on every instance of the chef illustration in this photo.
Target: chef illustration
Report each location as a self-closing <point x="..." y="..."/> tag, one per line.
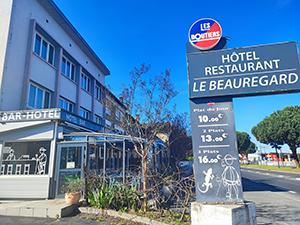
<point x="11" y="155"/>
<point x="230" y="178"/>
<point x="41" y="161"/>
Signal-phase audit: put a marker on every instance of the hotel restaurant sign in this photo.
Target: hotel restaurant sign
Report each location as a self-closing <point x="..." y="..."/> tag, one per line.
<point x="47" y="114"/>
<point x="265" y="69"/>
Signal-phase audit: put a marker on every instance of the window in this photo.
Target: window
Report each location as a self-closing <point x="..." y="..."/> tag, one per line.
<point x="68" y="68"/>
<point x="44" y="49"/>
<point x="70" y="158"/>
<point x="107" y="123"/>
<point x="25" y="158"/>
<point x="119" y="129"/>
<point x="66" y="105"/>
<point x="84" y="113"/>
<point x="93" y="158"/>
<point x="85" y="82"/>
<point x="38" y="98"/>
<point x="98" y="120"/>
<point x="98" y="92"/>
<point x="108" y="112"/>
<point x="119" y="115"/>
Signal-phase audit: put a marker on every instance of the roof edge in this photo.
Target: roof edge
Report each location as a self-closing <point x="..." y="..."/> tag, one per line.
<point x="73" y="29"/>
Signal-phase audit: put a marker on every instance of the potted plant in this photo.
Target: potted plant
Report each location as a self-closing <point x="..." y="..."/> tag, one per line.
<point x="72" y="190"/>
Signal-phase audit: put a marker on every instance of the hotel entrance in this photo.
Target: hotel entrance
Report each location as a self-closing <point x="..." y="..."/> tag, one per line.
<point x="70" y="164"/>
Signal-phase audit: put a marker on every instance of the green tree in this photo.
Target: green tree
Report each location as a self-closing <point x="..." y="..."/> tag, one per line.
<point x="251" y="148"/>
<point x="243" y="142"/>
<point x="281" y="127"/>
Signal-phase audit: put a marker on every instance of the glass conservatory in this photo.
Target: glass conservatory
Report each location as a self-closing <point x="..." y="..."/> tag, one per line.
<point x="102" y="153"/>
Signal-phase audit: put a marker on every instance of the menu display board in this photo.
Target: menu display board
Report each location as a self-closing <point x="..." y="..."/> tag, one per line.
<point x="216" y="160"/>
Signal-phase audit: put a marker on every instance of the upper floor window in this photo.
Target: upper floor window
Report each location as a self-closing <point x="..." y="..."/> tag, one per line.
<point x="119" y="115"/>
<point x="108" y="112"/>
<point x="98" y="120"/>
<point x="44" y="49"/>
<point x="98" y="92"/>
<point x="66" y="105"/>
<point x="38" y="98"/>
<point x="85" y="82"/>
<point x="68" y="68"/>
<point x="84" y="113"/>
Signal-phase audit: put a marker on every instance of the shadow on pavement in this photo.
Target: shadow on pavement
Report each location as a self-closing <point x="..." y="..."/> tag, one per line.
<point x="250" y="185"/>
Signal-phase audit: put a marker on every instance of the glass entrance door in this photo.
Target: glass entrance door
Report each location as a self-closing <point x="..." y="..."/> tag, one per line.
<point x="70" y="164"/>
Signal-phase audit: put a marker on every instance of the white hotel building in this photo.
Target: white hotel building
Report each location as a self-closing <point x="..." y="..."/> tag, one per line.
<point x="51" y="84"/>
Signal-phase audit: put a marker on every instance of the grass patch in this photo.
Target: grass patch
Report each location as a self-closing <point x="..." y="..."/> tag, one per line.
<point x="287" y="169"/>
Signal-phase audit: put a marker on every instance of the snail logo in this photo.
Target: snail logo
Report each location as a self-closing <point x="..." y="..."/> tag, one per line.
<point x="205" y="34"/>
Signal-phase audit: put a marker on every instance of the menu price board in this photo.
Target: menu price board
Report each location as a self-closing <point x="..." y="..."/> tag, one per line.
<point x="217" y="170"/>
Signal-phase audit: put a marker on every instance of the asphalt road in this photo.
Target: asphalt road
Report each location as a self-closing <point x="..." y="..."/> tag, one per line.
<point x="275" y="194"/>
<point x="279" y="180"/>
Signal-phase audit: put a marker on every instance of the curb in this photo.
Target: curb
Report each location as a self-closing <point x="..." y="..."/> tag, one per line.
<point x="122" y="215"/>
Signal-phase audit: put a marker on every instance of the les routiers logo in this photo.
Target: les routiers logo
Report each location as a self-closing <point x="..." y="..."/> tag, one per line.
<point x="205" y="34"/>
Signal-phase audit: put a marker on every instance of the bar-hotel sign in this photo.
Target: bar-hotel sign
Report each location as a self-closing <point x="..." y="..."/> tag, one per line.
<point x="30" y="115"/>
<point x="265" y="69"/>
<point x="47" y="114"/>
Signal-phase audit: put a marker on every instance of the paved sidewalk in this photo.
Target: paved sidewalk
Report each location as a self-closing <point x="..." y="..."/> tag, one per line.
<point x="276" y="208"/>
<point x="54" y="208"/>
<point x="23" y="212"/>
<point x="13" y="220"/>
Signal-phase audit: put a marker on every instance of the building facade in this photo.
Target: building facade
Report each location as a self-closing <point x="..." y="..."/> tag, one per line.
<point x="51" y="84"/>
<point x="45" y="63"/>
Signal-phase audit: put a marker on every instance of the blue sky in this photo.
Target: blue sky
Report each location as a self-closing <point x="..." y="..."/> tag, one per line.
<point x="125" y="34"/>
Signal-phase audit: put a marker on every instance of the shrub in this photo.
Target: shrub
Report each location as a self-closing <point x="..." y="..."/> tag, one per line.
<point x="118" y="197"/>
<point x="72" y="186"/>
